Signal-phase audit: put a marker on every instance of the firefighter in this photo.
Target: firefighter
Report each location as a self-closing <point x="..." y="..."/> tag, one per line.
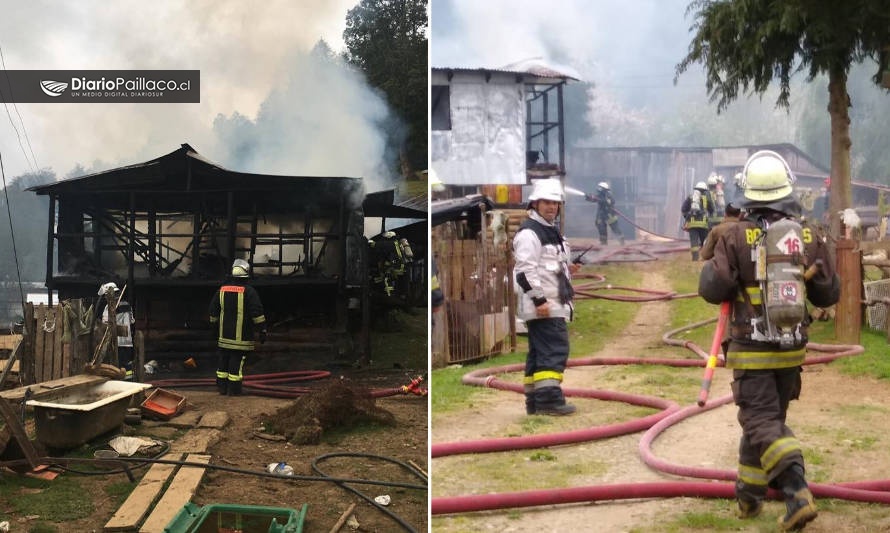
<point x="715" y="189"/>
<point x="731" y="215"/>
<point x="606" y="216"/>
<point x="236" y="313"/>
<point x="391" y="257"/>
<point x="697" y="210"/>
<point x="542" y="275"/>
<point x="767" y="371"/>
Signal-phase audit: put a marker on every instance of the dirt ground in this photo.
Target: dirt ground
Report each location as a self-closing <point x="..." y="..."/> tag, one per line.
<point x="238" y="447"/>
<point x="839" y="420"/>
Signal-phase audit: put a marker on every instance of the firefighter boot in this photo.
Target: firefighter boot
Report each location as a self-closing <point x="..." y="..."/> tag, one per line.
<point x="749" y="499"/>
<point x="234" y="388"/>
<point x="550" y="401"/>
<point x="800" y="507"/>
<point x="530" y="403"/>
<point x="222" y="386"/>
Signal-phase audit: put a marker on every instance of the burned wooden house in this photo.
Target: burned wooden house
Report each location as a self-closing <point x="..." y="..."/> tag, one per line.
<point x="168" y="230"/>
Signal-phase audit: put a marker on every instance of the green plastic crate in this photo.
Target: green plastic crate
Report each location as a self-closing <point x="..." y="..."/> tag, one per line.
<point x="229" y="518"/>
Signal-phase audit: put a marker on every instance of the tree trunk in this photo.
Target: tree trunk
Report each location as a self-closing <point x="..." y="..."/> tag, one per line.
<point x="838" y="107"/>
<point x="849" y="307"/>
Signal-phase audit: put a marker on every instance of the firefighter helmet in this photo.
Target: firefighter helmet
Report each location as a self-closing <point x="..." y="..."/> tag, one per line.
<point x="603" y="186"/>
<point x="701" y="186"/>
<point x="713" y="179"/>
<point x="767" y="177"/>
<point x="547" y="189"/>
<point x="240" y="268"/>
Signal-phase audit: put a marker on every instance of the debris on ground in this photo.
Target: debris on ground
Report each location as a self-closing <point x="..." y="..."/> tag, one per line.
<point x="338" y="404"/>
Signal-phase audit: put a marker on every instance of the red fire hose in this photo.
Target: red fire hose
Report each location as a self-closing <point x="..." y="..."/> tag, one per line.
<point x="874" y="491"/>
<point x="725" y="309"/>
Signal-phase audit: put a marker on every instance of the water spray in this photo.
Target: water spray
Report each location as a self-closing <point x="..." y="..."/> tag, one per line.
<point x="576" y="192"/>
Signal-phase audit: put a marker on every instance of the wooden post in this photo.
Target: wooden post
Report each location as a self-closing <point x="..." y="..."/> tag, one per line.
<point x="848" y="320"/>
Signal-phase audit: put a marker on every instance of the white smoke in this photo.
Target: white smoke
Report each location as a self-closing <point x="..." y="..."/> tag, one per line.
<point x="258" y="79"/>
<point x="323" y="120"/>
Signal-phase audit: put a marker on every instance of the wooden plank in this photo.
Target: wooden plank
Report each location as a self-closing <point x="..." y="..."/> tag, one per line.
<point x="65" y="348"/>
<point x="180" y="491"/>
<point x="138" y="504"/>
<point x="848" y="320"/>
<point x="27" y="354"/>
<point x="9" y="342"/>
<point x="139" y="354"/>
<point x="39" y="316"/>
<point x="60" y="363"/>
<point x="53" y="388"/>
<point x="15" y="365"/>
<point x="868" y="247"/>
<point x="18" y="433"/>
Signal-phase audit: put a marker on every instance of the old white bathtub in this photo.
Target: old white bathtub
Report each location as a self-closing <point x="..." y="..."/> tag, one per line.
<point x="76" y="417"/>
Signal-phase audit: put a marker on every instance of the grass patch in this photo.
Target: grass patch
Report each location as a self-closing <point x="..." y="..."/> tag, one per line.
<point x="592" y="318"/>
<point x="336" y="435"/>
<point x="542" y="455"/>
<point x="872" y="362"/>
<point x="60" y="500"/>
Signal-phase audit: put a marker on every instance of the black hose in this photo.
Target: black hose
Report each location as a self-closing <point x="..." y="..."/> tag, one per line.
<point x="123" y="470"/>
<point x="295" y="477"/>
<point x="362" y="495"/>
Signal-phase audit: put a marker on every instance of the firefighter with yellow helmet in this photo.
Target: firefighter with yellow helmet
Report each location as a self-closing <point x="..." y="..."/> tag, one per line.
<point x="768" y="265"/>
<point x="542" y="277"/>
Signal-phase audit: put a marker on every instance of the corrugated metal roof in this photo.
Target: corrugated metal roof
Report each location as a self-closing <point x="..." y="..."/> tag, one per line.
<point x="535" y="68"/>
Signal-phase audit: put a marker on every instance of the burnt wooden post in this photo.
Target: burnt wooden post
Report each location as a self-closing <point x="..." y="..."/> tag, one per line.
<point x="26" y="361"/>
<point x="848" y="319"/>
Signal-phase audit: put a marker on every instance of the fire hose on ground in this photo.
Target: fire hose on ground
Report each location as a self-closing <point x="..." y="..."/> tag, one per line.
<point x="719" y="483"/>
<point x="274" y="384"/>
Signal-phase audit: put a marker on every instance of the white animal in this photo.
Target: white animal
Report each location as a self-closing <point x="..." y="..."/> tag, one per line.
<point x="851" y="222"/>
<point x="498" y="227"/>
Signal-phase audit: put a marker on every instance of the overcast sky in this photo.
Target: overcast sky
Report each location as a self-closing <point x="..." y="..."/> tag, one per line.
<point x="626" y="46"/>
<point x="260" y="90"/>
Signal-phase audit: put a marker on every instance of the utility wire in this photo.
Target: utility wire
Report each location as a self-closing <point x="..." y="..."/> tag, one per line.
<point x="15" y="254"/>
<point x="8" y="114"/>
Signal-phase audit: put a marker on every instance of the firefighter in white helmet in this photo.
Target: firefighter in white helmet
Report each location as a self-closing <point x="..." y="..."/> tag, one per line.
<point x="715" y="189"/>
<point x="697" y="210"/>
<point x="606" y="216"/>
<point x="542" y="277"/>
<point x="794" y="266"/>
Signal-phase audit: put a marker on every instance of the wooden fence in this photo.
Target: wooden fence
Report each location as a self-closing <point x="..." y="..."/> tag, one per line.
<point x="475" y="273"/>
<point x="57" y="346"/>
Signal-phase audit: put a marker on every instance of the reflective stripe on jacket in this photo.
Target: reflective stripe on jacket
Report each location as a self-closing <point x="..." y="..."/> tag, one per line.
<point x="542" y="265"/>
<point x="239" y="312"/>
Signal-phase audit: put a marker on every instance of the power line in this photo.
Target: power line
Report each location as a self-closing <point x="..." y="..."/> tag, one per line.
<point x="15" y="254"/>
<point x="8" y="114"/>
